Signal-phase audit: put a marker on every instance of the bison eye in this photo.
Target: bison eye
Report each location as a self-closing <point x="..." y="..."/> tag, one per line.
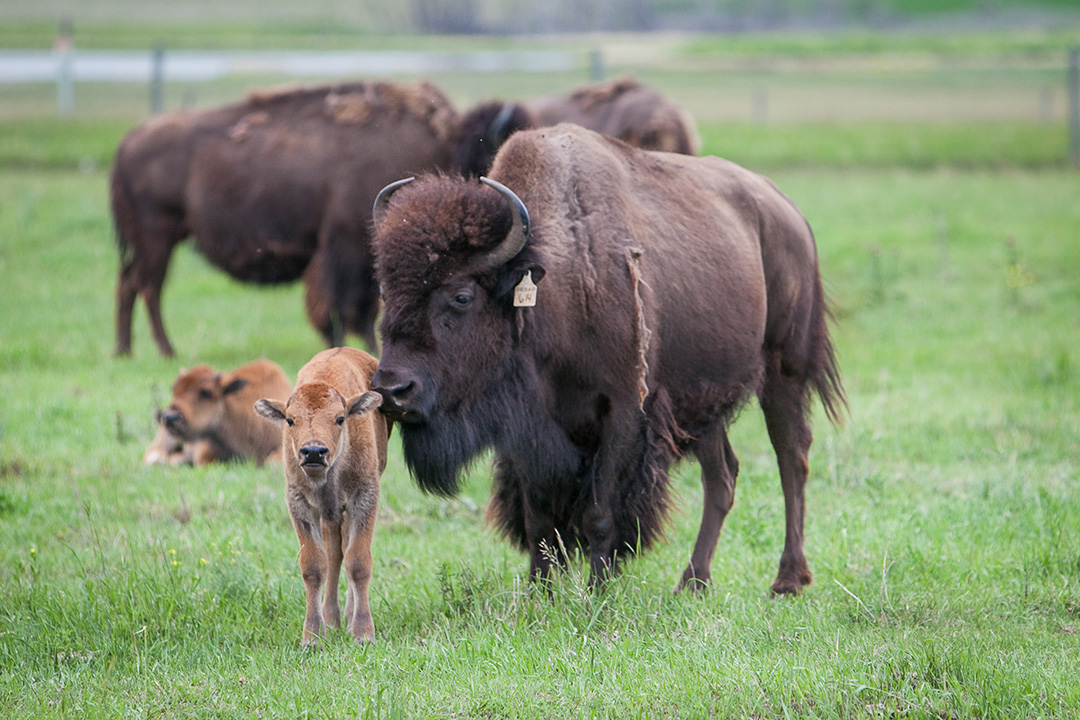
<point x="289" y="422"/>
<point x="461" y="300"/>
<point x="340" y="420"/>
<point x="205" y="394"/>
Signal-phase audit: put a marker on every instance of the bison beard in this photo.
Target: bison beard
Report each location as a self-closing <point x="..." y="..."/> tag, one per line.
<point x="534" y="455"/>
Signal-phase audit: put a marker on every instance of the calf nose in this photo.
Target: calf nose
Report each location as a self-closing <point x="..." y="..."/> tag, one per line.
<point x="313" y="453"/>
<point x="171" y="418"/>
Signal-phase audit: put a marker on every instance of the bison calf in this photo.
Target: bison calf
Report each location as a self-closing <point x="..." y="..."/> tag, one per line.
<point x="212" y="412"/>
<point x="334" y="449"/>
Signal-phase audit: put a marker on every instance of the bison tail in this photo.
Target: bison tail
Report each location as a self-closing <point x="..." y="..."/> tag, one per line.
<point x="125" y="217"/>
<point x="824" y="371"/>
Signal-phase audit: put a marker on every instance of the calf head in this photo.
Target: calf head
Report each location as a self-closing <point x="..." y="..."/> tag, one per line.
<point x="314" y="419"/>
<point x="198" y="401"/>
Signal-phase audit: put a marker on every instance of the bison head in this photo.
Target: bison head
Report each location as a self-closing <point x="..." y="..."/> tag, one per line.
<point x="315" y="424"/>
<point x="449" y="253"/>
<point x="198" y="401"/>
<point x="483" y="131"/>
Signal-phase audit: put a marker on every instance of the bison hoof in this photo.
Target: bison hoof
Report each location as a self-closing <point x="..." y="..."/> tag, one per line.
<point x="791" y="586"/>
<point x="694" y="581"/>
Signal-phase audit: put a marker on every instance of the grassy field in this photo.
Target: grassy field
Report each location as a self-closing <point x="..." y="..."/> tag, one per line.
<point x="944" y="517"/>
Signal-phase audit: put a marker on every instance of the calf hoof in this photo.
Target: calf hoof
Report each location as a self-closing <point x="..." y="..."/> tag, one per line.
<point x="363" y="631"/>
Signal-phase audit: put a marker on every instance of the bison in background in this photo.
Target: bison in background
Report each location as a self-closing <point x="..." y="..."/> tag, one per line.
<point x="333" y="448"/>
<point x="212" y="413"/>
<point x="273" y="188"/>
<point x="624" y="109"/>
<point x="668" y="290"/>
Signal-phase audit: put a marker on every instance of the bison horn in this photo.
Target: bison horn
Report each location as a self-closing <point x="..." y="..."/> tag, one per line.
<point x="497" y="130"/>
<point x="383" y="199"/>
<point x="515" y="240"/>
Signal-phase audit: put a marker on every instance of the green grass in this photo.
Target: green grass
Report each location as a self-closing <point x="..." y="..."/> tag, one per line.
<point x="943" y="528"/>
<point x="89" y="144"/>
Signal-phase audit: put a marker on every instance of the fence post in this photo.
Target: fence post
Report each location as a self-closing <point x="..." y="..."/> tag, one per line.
<point x="1074" y="106"/>
<point x="596" y="65"/>
<point x="64" y="48"/>
<point x="157" y="78"/>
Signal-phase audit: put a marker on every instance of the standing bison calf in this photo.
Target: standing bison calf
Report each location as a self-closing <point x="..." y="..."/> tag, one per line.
<point x="334" y="449"/>
<point x="210" y="413"/>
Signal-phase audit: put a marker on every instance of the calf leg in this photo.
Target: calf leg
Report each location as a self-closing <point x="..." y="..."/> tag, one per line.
<point x="719" y="470"/>
<point x="358" y="564"/>
<point x="331" y="610"/>
<point x="783" y="401"/>
<point x="313" y="567"/>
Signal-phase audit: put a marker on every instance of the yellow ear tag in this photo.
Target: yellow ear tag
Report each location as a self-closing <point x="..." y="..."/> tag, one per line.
<point x="525" y="292"/>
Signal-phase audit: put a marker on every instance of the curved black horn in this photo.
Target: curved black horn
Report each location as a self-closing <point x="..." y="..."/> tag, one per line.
<point x="515" y="240"/>
<point x="383" y="199"/>
<point x="497" y="129"/>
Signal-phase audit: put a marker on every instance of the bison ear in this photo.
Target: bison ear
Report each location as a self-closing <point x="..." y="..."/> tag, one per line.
<point x="537" y="272"/>
<point x="364" y="402"/>
<point x="270" y="409"/>
<point x="235" y="385"/>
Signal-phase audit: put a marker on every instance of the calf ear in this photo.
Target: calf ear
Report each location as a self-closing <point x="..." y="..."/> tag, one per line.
<point x="364" y="402"/>
<point x="235" y="385"/>
<point x="270" y="409"/>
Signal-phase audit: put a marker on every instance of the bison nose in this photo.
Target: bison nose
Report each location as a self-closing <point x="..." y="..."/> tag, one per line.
<point x="403" y="397"/>
<point x="313" y="454"/>
<point x="171" y="418"/>
<point x="396" y="391"/>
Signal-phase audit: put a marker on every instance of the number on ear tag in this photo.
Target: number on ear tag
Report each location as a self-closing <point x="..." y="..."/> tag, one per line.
<point x="525" y="292"/>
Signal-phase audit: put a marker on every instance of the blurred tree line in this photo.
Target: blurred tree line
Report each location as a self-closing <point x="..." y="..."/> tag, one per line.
<point x="532" y="16"/>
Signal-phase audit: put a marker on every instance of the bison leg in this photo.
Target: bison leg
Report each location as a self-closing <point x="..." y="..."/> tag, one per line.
<point x="331" y="609"/>
<point x="127" y="290"/>
<point x="544" y="545"/>
<point x="358" y="565"/>
<point x="313" y="568"/>
<point x="144" y="274"/>
<point x="719" y="470"/>
<point x="783" y="401"/>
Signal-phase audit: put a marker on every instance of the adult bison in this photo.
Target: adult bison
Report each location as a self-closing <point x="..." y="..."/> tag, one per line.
<point x="272" y="189"/>
<point x="625" y="109"/>
<point x="670" y="289"/>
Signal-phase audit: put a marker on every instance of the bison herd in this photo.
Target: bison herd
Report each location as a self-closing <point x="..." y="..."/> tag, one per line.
<point x="564" y="282"/>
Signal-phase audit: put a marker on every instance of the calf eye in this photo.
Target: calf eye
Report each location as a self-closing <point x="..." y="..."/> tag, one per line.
<point x="289" y="421"/>
<point x="340" y="420"/>
<point x="205" y="394"/>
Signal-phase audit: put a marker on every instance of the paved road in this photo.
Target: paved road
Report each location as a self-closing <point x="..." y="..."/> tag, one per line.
<point x="127" y="66"/>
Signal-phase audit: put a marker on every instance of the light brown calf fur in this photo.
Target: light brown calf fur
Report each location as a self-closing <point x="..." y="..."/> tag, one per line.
<point x="213" y="412"/>
<point x="333" y="448"/>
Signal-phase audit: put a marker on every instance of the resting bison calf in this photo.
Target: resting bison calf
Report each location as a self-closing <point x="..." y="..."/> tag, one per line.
<point x="212" y="412"/>
<point x="334" y="450"/>
<point x="169" y="449"/>
<point x="593" y="313"/>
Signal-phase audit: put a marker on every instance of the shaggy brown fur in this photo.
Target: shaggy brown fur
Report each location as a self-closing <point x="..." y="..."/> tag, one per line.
<point x="274" y="188"/>
<point x="212" y="414"/>
<point x="670" y="290"/>
<point x="333" y="448"/>
<point x="623" y="109"/>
